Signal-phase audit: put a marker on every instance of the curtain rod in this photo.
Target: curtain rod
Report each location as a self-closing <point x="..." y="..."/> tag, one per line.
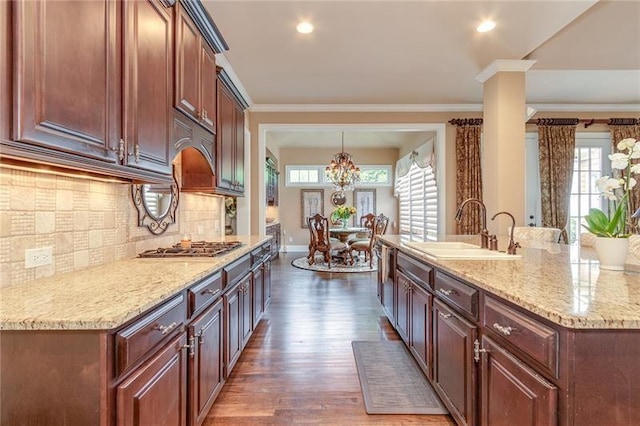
<point x="557" y="121"/>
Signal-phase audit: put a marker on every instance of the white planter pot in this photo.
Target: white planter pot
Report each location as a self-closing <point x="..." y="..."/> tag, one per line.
<point x="612" y="252"/>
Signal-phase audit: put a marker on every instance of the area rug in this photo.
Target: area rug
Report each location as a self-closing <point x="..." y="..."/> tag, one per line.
<point x="391" y="381"/>
<point x="320" y="266"/>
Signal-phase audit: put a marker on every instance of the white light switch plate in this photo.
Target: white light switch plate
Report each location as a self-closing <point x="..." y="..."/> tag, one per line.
<point x="38" y="257"/>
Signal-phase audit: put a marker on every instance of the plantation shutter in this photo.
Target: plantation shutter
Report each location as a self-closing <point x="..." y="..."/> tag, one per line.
<point x="418" y="199"/>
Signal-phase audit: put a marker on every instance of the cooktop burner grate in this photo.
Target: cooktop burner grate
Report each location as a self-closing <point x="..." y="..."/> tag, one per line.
<point x="197" y="249"/>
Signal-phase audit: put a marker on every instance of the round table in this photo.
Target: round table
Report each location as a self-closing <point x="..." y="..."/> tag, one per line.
<point x="343" y="233"/>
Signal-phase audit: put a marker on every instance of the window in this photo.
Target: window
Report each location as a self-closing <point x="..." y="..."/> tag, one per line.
<point x="304" y="175"/>
<point x="418" y="199"/>
<point x="375" y="175"/>
<point x="312" y="175"/>
<point x="590" y="163"/>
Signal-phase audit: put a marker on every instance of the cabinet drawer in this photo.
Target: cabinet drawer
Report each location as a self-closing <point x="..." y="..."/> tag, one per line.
<point x="415" y="270"/>
<point x="236" y="270"/>
<point x="526" y="334"/>
<point x="204" y="293"/>
<point x="139" y="338"/>
<point x="460" y="294"/>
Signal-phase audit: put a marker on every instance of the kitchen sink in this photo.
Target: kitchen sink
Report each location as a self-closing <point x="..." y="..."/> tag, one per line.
<point x="459" y="251"/>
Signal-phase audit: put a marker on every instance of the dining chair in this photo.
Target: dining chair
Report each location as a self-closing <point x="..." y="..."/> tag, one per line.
<point x="321" y="242"/>
<point x="366" y="221"/>
<point x="379" y="228"/>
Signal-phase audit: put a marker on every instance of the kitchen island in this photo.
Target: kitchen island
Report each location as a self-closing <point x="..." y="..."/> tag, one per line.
<point x="112" y="344"/>
<point x="543" y="339"/>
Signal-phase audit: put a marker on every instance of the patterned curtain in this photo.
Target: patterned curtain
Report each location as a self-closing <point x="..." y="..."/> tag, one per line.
<point x="468" y="173"/>
<point x="556" y="145"/>
<point x="619" y="132"/>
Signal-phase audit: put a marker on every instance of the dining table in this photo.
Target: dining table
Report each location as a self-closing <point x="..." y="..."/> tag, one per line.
<point x="343" y="233"/>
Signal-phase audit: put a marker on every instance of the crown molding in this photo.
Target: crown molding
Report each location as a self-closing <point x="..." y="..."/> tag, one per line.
<point x="436" y="108"/>
<point x="229" y="75"/>
<point x="585" y="107"/>
<point x="366" y="108"/>
<point x="504" y="65"/>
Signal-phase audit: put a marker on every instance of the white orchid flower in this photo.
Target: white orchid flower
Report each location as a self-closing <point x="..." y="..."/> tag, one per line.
<point x="619" y="161"/>
<point x="635" y="168"/>
<point x="626" y="144"/>
<point x="635" y="151"/>
<point x="632" y="183"/>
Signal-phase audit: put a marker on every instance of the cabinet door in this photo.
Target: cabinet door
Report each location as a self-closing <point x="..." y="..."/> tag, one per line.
<point x="403" y="292"/>
<point x="267" y="283"/>
<point x="247" y="317"/>
<point x="148" y="84"/>
<point x="420" y="328"/>
<point x="239" y="149"/>
<point x="187" y="71"/>
<point x="67" y="76"/>
<point x="233" y="327"/>
<point x="454" y="369"/>
<point x="5" y="70"/>
<point x="155" y="394"/>
<point x="208" y="87"/>
<point x="206" y="366"/>
<point x="258" y="293"/>
<point x="225" y="138"/>
<point x="512" y="393"/>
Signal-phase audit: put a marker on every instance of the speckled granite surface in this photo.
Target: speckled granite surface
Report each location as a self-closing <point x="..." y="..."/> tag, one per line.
<point x="561" y="283"/>
<point x="106" y="296"/>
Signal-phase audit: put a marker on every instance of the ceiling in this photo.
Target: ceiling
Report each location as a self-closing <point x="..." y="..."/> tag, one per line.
<point x="395" y="53"/>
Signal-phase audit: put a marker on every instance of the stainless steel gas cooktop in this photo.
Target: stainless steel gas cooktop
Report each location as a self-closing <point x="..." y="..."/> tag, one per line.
<point x="197" y="249"/>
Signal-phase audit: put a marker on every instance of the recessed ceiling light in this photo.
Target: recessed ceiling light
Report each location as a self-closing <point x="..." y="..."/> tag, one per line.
<point x="486" y="26"/>
<point x="304" y="27"/>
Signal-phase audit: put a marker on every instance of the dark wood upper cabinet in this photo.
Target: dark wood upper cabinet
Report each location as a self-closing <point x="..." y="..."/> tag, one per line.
<point x="148" y="84"/>
<point x="92" y="86"/>
<point x="230" y="141"/>
<point x="5" y="70"/>
<point x="67" y="85"/>
<point x="195" y="69"/>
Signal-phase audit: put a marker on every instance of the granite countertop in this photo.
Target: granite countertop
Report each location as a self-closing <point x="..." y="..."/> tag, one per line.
<point x="105" y="297"/>
<point x="561" y="283"/>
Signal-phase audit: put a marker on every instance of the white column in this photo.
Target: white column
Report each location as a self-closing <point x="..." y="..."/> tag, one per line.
<point x="503" y="144"/>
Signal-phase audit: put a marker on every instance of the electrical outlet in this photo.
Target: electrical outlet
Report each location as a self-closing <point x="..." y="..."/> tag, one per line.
<point x="290" y="239"/>
<point x="38" y="257"/>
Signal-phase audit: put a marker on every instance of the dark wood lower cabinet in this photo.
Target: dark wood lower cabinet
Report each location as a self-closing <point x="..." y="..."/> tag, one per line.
<point x="206" y="365"/>
<point x="402" y="291"/>
<point x="512" y="393"/>
<point x="420" y="328"/>
<point x="454" y="369"/>
<point x="257" y="290"/>
<point x="237" y="302"/>
<point x="156" y="393"/>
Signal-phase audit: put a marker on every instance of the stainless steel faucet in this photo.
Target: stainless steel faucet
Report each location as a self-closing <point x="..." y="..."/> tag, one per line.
<point x="513" y="245"/>
<point x="484" y="233"/>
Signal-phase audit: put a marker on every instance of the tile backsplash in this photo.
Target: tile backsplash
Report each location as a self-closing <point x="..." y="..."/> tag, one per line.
<point x="86" y="222"/>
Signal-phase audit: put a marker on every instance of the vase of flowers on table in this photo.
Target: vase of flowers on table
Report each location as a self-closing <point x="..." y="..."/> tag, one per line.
<point x="613" y="227"/>
<point x="343" y="213"/>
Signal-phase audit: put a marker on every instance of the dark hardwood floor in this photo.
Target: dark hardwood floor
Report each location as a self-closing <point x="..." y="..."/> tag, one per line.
<point x="298" y="367"/>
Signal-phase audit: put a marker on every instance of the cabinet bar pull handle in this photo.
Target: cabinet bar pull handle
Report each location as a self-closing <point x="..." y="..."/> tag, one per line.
<point x="119" y="149"/>
<point x="136" y="152"/>
<point x="506" y="330"/>
<point x="164" y="329"/>
<point x="477" y="351"/>
<point x="445" y="291"/>
<point x="209" y="291"/>
<point x="445" y="316"/>
<point x="191" y="347"/>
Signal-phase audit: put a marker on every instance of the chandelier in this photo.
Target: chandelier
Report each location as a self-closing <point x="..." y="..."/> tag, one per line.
<point x="341" y="171"/>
